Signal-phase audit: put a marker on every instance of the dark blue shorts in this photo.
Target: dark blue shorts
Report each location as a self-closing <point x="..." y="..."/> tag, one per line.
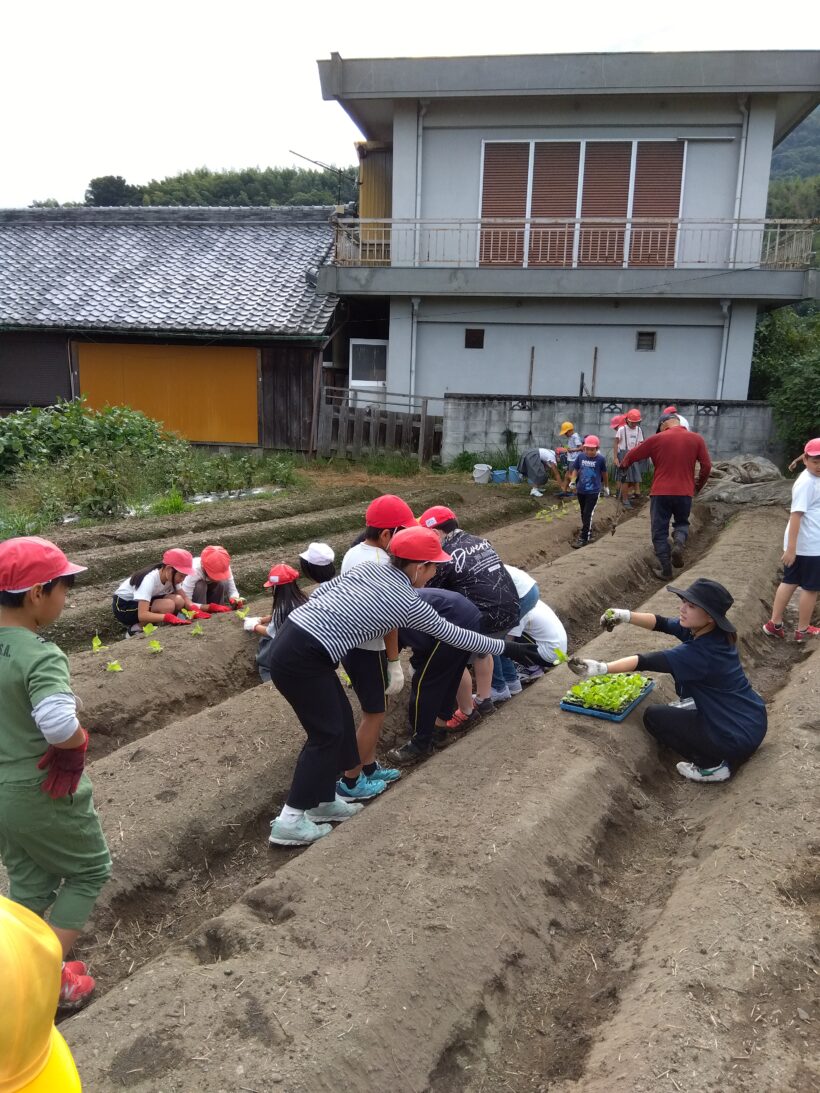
<point x="367" y="669"/>
<point x="804" y="572"/>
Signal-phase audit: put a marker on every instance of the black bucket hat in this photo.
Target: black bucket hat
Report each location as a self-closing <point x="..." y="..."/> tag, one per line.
<point x="712" y="597"/>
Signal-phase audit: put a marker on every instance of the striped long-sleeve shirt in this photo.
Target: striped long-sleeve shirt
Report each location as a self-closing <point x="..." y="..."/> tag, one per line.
<point x="370" y="600"/>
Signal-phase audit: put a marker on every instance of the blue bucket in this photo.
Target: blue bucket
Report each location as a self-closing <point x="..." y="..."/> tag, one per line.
<point x="498" y="476"/>
<point x="513" y="475"/>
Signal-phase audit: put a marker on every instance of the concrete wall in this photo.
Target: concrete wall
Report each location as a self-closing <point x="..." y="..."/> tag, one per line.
<point x="478" y="424"/>
<point x="565" y="334"/>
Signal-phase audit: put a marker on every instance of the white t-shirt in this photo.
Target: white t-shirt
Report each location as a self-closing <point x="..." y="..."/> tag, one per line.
<point x="358" y="555"/>
<point x="683" y="421"/>
<point x="151" y="588"/>
<point x="806" y="499"/>
<point x="574" y="441"/>
<point x="547" y="455"/>
<point x="546" y="630"/>
<point x="523" y="581"/>
<point x="199" y="574"/>
<point x="629" y="438"/>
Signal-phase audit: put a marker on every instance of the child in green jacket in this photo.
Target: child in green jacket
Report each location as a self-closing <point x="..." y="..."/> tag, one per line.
<point x="51" y="842"/>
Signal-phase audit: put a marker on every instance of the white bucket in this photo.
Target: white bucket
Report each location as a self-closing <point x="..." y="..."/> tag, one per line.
<point x="482" y="473"/>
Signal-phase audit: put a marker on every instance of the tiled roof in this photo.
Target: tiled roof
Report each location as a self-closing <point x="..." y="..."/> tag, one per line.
<point x="204" y="271"/>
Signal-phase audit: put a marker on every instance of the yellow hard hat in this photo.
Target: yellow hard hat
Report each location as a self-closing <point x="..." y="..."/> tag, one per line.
<point x="34" y="1058"/>
<point x="566" y="427"/>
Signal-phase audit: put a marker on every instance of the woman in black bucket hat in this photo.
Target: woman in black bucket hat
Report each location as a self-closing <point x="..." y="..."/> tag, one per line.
<point x="720" y="720"/>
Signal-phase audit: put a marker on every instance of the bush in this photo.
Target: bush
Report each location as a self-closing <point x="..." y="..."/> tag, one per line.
<point x="796" y="404"/>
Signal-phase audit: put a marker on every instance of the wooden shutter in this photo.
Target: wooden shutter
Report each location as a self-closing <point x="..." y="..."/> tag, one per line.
<point x="504" y="194"/>
<point x="554" y="194"/>
<point x="606" y="194"/>
<point x="658" y="174"/>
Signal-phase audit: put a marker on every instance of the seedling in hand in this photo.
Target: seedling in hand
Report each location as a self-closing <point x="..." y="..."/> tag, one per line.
<point x="113" y="666"/>
<point x="96" y="644"/>
<point x="188" y="614"/>
<point x="155" y="646"/>
<point x="609" y="620"/>
<point x="560" y="656"/>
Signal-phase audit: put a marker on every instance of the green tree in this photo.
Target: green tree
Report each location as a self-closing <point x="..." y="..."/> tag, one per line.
<point x="796" y="403"/>
<point x="782" y="338"/>
<point x="799" y="154"/>
<point x="794" y="198"/>
<point x="111" y="190"/>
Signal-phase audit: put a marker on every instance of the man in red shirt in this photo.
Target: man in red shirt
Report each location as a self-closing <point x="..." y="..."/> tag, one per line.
<point x="675" y="452"/>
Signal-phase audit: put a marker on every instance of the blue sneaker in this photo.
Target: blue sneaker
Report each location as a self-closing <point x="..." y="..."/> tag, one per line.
<point x="364" y="789"/>
<point x="301" y="833"/>
<point x="385" y="774"/>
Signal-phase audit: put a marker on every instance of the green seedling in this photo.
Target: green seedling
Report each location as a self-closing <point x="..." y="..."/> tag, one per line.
<point x="609" y="693"/>
<point x="560" y="656"/>
<point x="149" y="628"/>
<point x="155" y="646"/>
<point x="113" y="666"/>
<point x="188" y="614"/>
<point x="609" y="620"/>
<point x="96" y="644"/>
<point x="243" y="613"/>
<point x="196" y="629"/>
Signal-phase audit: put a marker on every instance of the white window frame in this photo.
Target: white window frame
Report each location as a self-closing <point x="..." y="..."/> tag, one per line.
<point x="372" y="385"/>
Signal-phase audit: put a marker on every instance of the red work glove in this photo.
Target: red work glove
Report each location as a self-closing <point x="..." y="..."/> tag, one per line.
<point x="217" y="608"/>
<point x="65" y="768"/>
<point x="198" y="613"/>
<point x="173" y="620"/>
<point x="237" y="602"/>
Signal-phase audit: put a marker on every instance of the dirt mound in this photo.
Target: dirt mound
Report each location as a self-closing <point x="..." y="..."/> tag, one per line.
<point x="491" y="859"/>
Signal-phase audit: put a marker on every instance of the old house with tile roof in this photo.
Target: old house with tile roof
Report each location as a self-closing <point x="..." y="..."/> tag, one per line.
<point x="205" y="318"/>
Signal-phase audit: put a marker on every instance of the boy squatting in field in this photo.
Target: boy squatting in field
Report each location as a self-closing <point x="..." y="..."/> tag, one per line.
<point x="51" y="842"/>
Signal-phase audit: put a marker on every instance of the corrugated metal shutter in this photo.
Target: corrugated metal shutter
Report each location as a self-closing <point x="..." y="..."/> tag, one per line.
<point x="504" y="194"/>
<point x="34" y="370"/>
<point x="658" y="172"/>
<point x="554" y="194"/>
<point x="606" y="193"/>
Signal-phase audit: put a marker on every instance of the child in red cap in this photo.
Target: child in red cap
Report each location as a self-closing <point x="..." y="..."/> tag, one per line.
<point x="286" y="596"/>
<point x="154" y="594"/>
<point x="588" y="477"/>
<point x="801" y="551"/>
<point x="628" y="435"/>
<point x="51" y="842"/>
<point x="211" y="583"/>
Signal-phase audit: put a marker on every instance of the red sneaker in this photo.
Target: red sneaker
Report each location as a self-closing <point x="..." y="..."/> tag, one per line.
<point x="774" y="631"/>
<point x="75" y="990"/>
<point x="809" y="632"/>
<point x="460" y="721"/>
<point x="76" y="967"/>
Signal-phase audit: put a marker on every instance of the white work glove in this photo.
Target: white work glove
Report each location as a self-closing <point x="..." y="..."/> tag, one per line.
<point x="395" y="678"/>
<point x="587" y="668"/>
<point x="607" y="491"/>
<point x="250" y="622"/>
<point x="614" y="616"/>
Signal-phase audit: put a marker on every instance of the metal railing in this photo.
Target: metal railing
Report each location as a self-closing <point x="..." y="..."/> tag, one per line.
<point x="587" y="243"/>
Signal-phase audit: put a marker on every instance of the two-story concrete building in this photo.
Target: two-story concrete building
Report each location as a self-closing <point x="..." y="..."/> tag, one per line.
<point x="528" y="221"/>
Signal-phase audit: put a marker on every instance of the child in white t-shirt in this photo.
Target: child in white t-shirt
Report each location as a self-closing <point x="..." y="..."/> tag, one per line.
<point x="155" y="594"/>
<point x="628" y="436"/>
<point x="801" y="552"/>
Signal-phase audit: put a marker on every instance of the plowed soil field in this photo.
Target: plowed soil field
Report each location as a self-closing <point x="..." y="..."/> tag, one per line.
<point x="545" y="905"/>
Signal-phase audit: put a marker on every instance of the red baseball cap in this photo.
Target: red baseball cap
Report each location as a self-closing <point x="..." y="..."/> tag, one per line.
<point x="633" y="415"/>
<point x="29" y="560"/>
<point x="812" y="446"/>
<point x="418" y="545"/>
<point x="216" y="562"/>
<point x="617" y="421"/>
<point x="671" y="410"/>
<point x="181" y="560"/>
<point x="389" y="511"/>
<point x="281" y="574"/>
<point x="438" y="514"/>
<point x="592" y="441"/>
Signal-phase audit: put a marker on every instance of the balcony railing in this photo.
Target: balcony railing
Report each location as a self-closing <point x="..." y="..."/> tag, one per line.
<point x="588" y="243"/>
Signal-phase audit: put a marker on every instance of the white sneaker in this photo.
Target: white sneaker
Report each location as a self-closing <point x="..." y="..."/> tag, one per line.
<point x="720" y="773"/>
<point x="514" y="686"/>
<point x="684" y="704"/>
<point x="503" y="695"/>
<point x="302" y="832"/>
<point x="534" y="492"/>
<point x="334" y="811"/>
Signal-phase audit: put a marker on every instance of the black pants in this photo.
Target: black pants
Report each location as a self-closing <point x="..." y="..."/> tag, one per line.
<point x="687" y="733"/>
<point x="587" y="501"/>
<point x="664" y="508"/>
<point x="211" y="592"/>
<point x="433" y="690"/>
<point x="301" y="669"/>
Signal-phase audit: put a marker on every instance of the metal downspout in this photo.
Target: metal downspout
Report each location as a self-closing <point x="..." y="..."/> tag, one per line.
<point x="726" y="308"/>
<point x="741" y="174"/>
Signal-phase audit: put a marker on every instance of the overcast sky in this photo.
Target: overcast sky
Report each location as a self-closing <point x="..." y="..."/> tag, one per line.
<point x="146" y="90"/>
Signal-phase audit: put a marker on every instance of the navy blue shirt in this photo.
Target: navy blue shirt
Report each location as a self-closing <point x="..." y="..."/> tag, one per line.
<point x="708" y="670"/>
<point x="478" y="573"/>
<point x="590" y="469"/>
<point x="456" y="608"/>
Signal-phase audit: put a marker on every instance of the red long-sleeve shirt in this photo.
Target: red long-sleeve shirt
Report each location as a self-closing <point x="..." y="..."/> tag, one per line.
<point x="674" y="453"/>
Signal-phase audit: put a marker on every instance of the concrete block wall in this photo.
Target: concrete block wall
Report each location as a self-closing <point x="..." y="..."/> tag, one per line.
<point x="477" y="424"/>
